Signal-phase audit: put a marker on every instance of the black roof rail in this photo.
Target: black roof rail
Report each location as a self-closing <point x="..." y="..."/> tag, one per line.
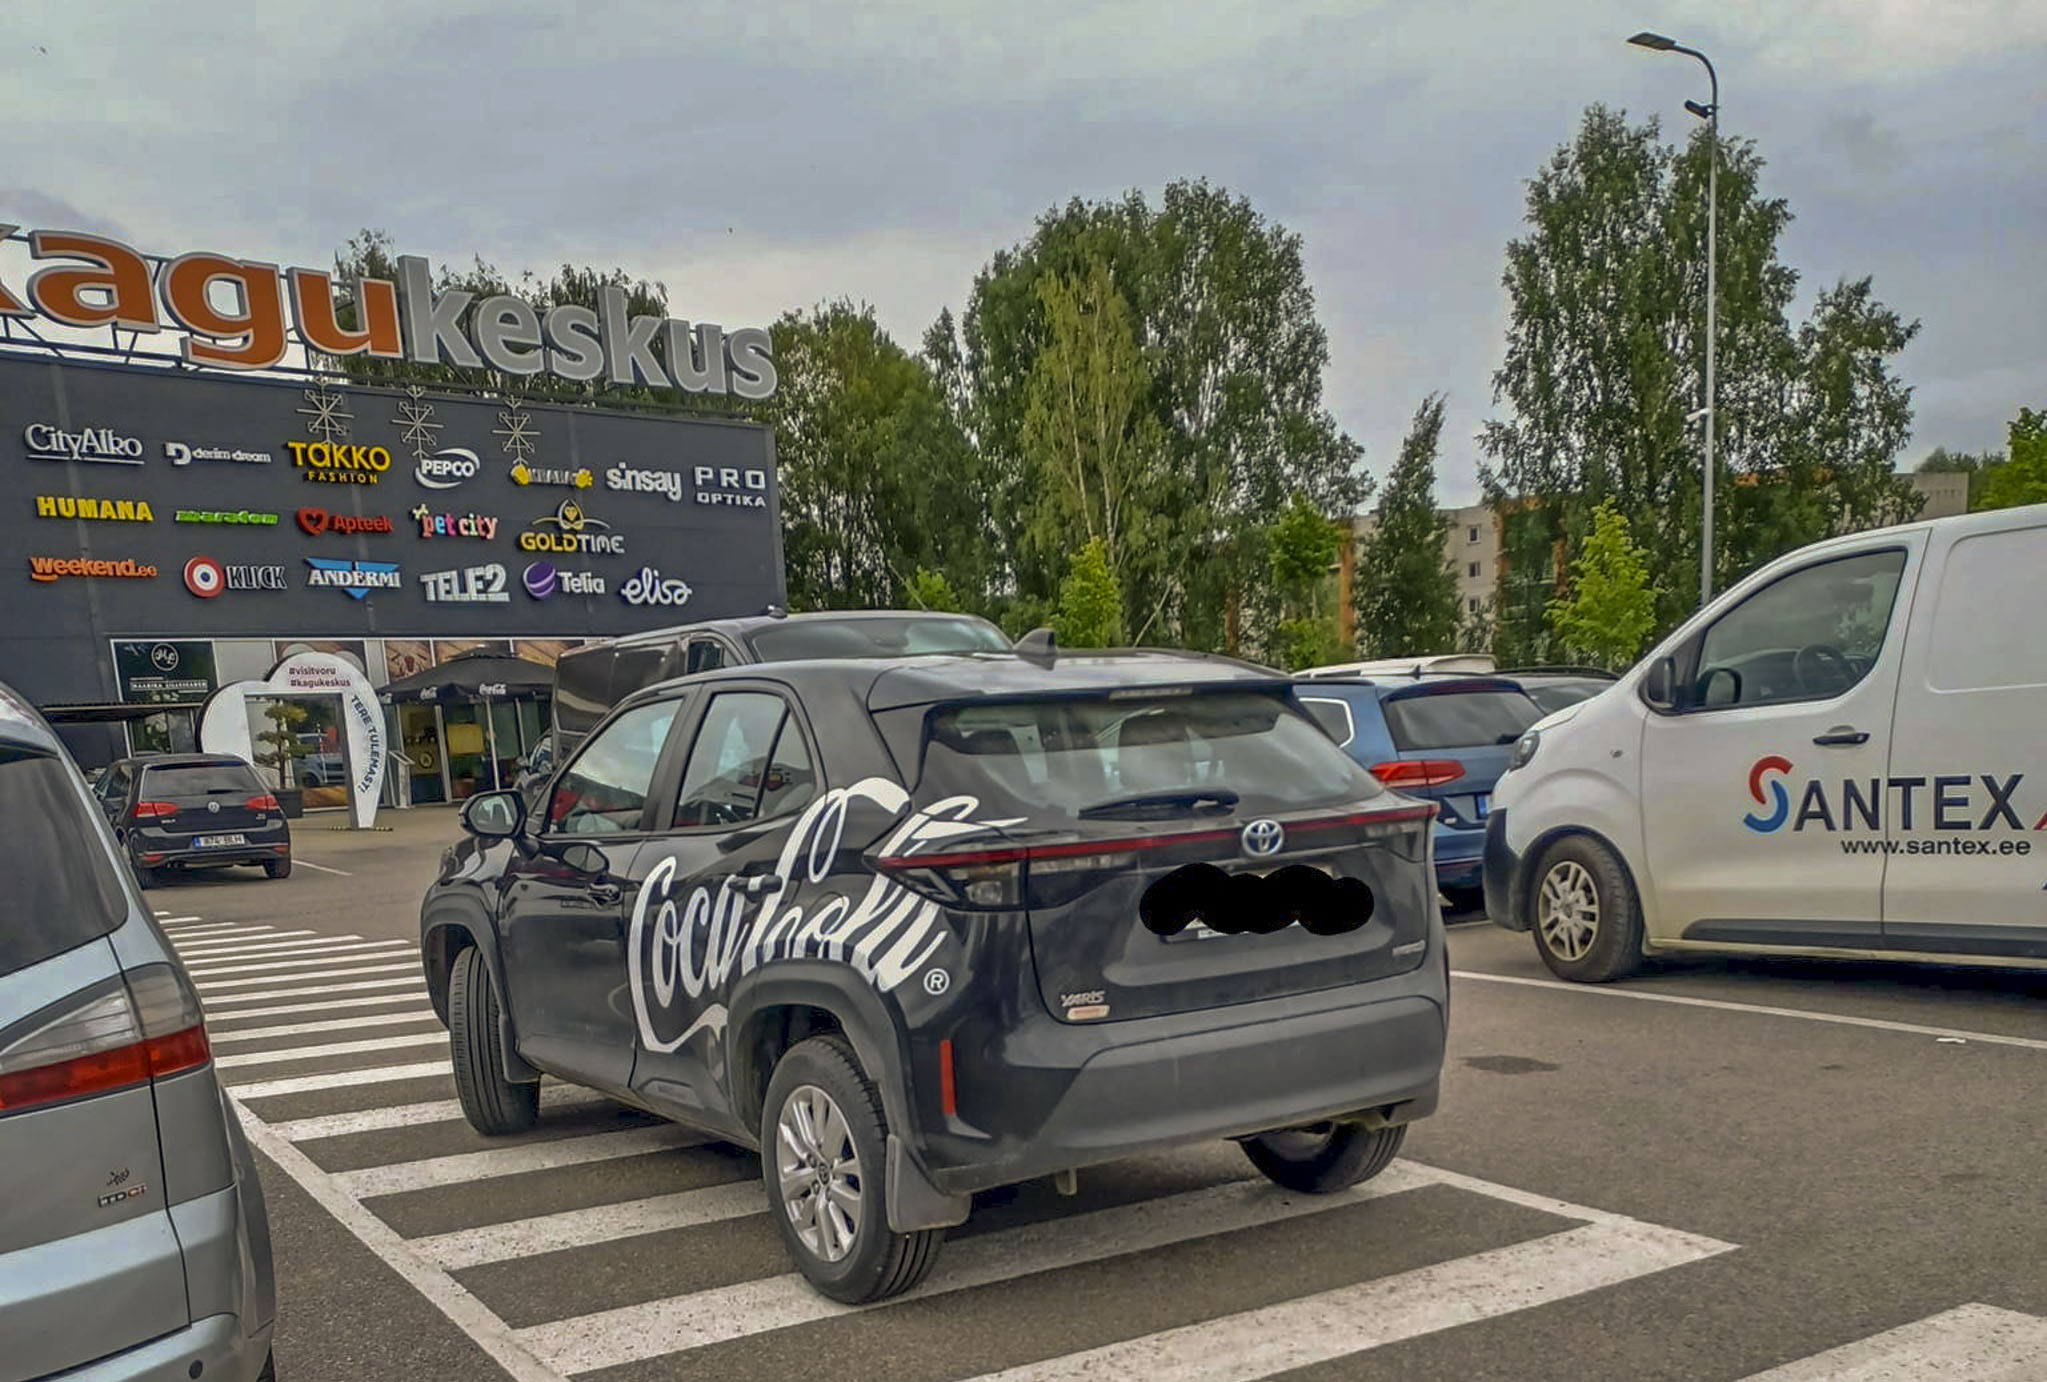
<point x="1560" y="670"/>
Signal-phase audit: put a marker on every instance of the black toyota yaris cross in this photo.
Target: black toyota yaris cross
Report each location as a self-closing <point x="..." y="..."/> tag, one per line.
<point x="916" y="928"/>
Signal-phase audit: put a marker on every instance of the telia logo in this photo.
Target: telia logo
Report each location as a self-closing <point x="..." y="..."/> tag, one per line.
<point x="1780" y="811"/>
<point x="543" y="581"/>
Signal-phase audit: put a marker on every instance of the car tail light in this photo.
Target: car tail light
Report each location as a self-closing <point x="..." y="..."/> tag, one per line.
<point x="1418" y="772"/>
<point x="154" y="810"/>
<point x="266" y="802"/>
<point x="116" y="1036"/>
<point x="948" y="1091"/>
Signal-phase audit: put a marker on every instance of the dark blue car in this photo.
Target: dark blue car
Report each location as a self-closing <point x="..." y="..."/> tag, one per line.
<point x="1445" y="738"/>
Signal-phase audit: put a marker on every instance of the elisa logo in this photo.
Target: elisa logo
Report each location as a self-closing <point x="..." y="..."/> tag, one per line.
<point x="1779" y="799"/>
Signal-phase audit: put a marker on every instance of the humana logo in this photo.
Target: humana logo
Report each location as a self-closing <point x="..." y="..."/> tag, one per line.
<point x="1941" y="801"/>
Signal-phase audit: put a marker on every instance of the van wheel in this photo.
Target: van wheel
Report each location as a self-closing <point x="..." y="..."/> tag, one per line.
<point x="1586" y="918"/>
<point x="1326" y="1158"/>
<point x="824" y="1140"/>
<point x="492" y="1104"/>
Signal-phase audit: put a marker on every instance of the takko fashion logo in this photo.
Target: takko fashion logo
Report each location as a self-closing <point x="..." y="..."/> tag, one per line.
<point x="433" y="524"/>
<point x="340" y="462"/>
<point x="115" y="510"/>
<point x="103" y="282"/>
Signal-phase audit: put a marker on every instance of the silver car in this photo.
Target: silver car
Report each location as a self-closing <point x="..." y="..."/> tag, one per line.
<point x="133" y="1239"/>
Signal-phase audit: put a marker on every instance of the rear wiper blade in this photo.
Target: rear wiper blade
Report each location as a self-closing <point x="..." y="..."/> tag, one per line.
<point x="1188" y="800"/>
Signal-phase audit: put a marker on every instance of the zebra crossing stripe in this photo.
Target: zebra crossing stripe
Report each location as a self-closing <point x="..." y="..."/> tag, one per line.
<point x="408" y="966"/>
<point x="336" y="1024"/>
<point x="464" y="1168"/>
<point x="581" y="1228"/>
<point x="229" y="1000"/>
<point x="553" y="1097"/>
<point x="1977" y="1342"/>
<point x="289" y="1054"/>
<point x="260" y="945"/>
<point x="388" y="949"/>
<point x="335" y="1079"/>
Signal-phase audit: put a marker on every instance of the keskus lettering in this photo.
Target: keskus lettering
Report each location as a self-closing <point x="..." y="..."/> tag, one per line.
<point x="340" y="462"/>
<point x="109" y="284"/>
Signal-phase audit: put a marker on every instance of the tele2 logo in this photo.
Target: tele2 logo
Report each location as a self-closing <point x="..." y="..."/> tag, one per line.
<point x="1956" y="801"/>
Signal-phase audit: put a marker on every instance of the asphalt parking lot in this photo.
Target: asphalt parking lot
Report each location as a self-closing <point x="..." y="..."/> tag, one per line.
<point x="1718" y="1170"/>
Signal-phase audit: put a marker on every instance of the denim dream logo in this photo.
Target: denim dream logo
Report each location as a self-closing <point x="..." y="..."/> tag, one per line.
<point x="1946" y="801"/>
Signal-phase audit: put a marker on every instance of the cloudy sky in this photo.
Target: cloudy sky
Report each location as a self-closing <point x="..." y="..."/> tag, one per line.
<point x="760" y="156"/>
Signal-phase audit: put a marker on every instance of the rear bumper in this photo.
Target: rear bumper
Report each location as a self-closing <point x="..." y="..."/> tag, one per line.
<point x="1072" y="1096"/>
<point x="1458" y="857"/>
<point x="214" y="1347"/>
<point x="1503" y="898"/>
<point x="156" y="849"/>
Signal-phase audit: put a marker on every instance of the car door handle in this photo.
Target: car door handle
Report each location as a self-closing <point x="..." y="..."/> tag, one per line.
<point x="604" y="894"/>
<point x="1841" y="735"/>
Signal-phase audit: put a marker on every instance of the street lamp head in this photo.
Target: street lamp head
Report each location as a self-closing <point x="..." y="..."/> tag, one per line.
<point x="1655" y="42"/>
<point x="1704" y="112"/>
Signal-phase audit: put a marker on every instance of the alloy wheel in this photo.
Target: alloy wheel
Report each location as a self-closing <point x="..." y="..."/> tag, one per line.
<point x="1567" y="910"/>
<point x="818" y="1169"/>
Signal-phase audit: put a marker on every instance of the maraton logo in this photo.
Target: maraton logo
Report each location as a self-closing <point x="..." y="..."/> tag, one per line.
<point x="207" y="578"/>
<point x="358" y="578"/>
<point x="102" y="444"/>
<point x="112" y="510"/>
<point x="544" y="582"/>
<point x="446" y="468"/>
<point x="1972" y="802"/>
<point x="48" y="569"/>
<point x="573" y="531"/>
<point x="239" y="516"/>
<point x="343" y="463"/>
<point x="317" y="521"/>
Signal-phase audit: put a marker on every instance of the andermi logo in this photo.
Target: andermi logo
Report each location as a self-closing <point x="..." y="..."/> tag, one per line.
<point x="49" y="569"/>
<point x="105" y="510"/>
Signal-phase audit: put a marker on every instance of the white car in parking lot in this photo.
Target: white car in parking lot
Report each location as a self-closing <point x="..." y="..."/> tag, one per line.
<point x="1845" y="754"/>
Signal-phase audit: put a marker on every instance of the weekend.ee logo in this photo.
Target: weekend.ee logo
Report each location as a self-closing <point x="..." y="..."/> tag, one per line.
<point x="1781" y="811"/>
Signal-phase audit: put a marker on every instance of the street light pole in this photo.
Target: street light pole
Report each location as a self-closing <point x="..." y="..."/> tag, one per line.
<point x="1711" y="114"/>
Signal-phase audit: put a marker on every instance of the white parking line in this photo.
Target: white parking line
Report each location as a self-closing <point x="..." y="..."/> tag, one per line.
<point x="1977" y="1342"/>
<point x="414" y="982"/>
<point x="254" y="945"/>
<point x="180" y="934"/>
<point x="332" y="973"/>
<point x="1723" y="1005"/>
<point x="166" y="919"/>
<point x="1335" y="1324"/>
<point x="322" y="868"/>
<point x="335" y="1079"/>
<point x="465" y="1167"/>
<point x="290" y="1054"/>
<point x="333" y="1024"/>
<point x="387" y="948"/>
<point x="553" y="1097"/>
<point x="579" y="1228"/>
<point x="680" y="1323"/>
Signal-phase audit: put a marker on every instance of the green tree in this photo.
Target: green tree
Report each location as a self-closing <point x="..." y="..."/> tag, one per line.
<point x="876" y="481"/>
<point x="1304" y="543"/>
<point x="1612" y="606"/>
<point x="2023" y="478"/>
<point x="1224" y="321"/>
<point x="1403" y="588"/>
<point x="1606" y="351"/>
<point x="931" y="590"/>
<point x="1090" y="601"/>
<point x="281" y="746"/>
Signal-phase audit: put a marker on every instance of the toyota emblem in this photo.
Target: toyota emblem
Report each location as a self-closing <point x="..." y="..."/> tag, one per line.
<point x="1263" y="837"/>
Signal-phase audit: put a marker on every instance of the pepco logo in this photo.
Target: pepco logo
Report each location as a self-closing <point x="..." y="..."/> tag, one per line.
<point x="1780" y="799"/>
<point x="316" y="522"/>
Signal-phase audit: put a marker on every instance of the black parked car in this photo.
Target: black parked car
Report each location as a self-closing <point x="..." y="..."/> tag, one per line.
<point x="180" y="810"/>
<point x="921" y="927"/>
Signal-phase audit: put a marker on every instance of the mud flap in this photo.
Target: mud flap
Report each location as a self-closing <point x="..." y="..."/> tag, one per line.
<point x="914" y="1203"/>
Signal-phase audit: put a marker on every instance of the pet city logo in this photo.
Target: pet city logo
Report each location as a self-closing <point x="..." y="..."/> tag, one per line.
<point x="475" y="525"/>
<point x="1942" y="801"/>
<point x="569" y="529"/>
<point x="358" y="578"/>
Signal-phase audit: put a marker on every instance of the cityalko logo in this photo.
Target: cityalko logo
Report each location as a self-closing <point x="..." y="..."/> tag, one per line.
<point x="102" y="444"/>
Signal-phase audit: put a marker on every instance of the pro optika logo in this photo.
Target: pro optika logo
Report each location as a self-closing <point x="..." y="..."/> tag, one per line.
<point x="1779" y="799"/>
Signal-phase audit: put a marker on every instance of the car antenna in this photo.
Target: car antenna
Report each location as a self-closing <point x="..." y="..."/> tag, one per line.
<point x="776" y="612"/>
<point x="1040" y="645"/>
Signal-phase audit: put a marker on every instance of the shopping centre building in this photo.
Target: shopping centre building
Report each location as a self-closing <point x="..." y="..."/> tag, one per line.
<point x="190" y="507"/>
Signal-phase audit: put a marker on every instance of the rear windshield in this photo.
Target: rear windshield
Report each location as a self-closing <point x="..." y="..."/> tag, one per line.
<point x="61" y="890"/>
<point x="876" y="638"/>
<point x="1459" y="719"/>
<point x="1061" y="756"/>
<point x="199" y="780"/>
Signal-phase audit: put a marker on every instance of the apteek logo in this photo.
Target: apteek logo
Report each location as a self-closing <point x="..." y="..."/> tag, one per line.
<point x="1780" y="811"/>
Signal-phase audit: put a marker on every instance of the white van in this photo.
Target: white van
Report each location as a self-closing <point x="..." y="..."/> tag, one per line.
<point x="1845" y="754"/>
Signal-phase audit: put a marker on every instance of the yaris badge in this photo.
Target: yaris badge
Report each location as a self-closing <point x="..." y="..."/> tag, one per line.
<point x="1263" y="837"/>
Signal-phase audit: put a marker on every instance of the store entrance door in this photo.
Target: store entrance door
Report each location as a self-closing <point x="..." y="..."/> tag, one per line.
<point x="422" y="739"/>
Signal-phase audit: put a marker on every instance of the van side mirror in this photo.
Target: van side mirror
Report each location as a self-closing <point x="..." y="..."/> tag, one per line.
<point x="1659" y="685"/>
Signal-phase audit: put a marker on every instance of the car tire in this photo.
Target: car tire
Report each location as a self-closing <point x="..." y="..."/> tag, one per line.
<point x="1584" y="914"/>
<point x="851" y="1257"/>
<point x="277" y="868"/>
<point x="148" y="878"/>
<point x="1324" y="1159"/>
<point x="493" y="1104"/>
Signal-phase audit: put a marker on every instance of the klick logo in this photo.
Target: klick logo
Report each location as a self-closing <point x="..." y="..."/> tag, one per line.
<point x="1781" y="809"/>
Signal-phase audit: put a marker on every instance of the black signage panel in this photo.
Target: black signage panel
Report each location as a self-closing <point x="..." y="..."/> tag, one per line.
<point x="164" y="671"/>
<point x="155" y="502"/>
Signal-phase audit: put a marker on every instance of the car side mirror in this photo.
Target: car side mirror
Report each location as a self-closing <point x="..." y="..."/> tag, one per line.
<point x="494" y="815"/>
<point x="1659" y="685"/>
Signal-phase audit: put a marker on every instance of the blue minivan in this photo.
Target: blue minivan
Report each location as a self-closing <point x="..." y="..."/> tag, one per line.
<point x="1445" y="739"/>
